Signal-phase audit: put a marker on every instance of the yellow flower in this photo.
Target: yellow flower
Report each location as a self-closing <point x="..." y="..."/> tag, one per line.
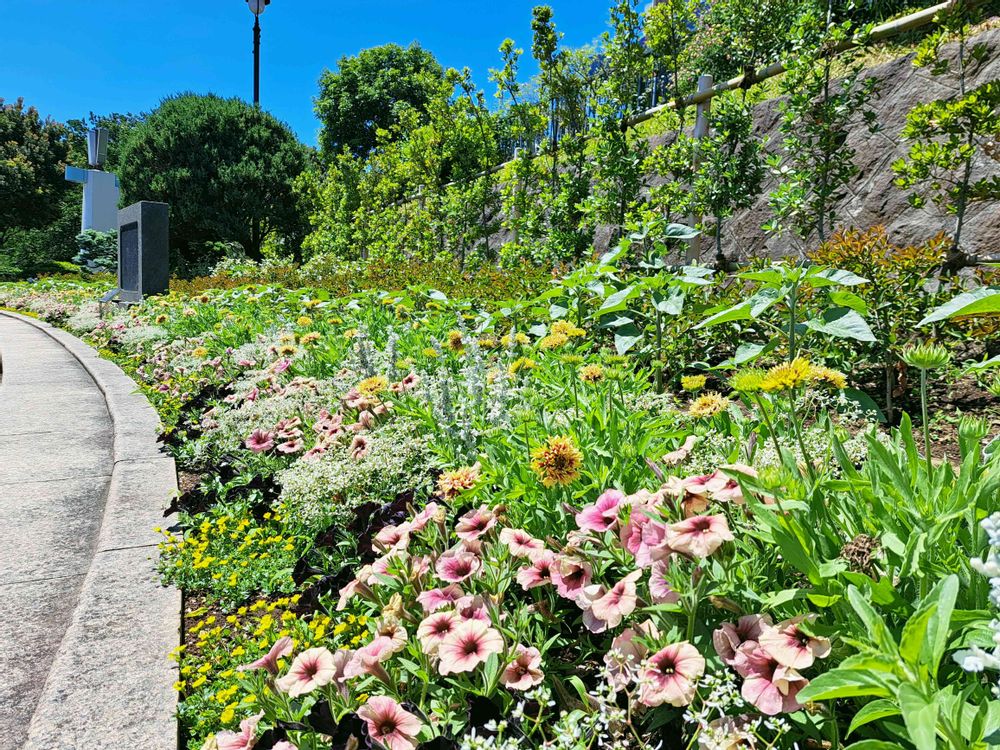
<point x="304" y="321"/>
<point x="822" y="374"/>
<point x="373" y="386"/>
<point x="308" y="338"/>
<point x="787" y="376"/>
<point x="287" y="350"/>
<point x="565" y="328"/>
<point x="749" y="380"/>
<point x="522" y="363"/>
<point x="553" y="341"/>
<point x="693" y="383"/>
<point x="454" y="483"/>
<point x="228" y="715"/>
<point x="519" y="338"/>
<point x="708" y="405"/>
<point x="161" y="318"/>
<point x="557" y="462"/>
<point x="350" y="333"/>
<point x="455" y="342"/>
<point x="200" y="352"/>
<point x="591" y="373"/>
<point x="430" y="352"/>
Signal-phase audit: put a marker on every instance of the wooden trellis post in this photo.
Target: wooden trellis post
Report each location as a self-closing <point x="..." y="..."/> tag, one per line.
<point x="701" y="129"/>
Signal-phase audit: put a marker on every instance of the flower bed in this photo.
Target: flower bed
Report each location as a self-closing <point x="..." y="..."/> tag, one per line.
<point x="413" y="522"/>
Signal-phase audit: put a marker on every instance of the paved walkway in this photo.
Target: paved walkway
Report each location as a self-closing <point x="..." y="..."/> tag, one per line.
<point x="84" y="626"/>
<point x="55" y="470"/>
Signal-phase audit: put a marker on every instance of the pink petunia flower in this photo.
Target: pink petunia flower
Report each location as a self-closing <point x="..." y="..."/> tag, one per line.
<point x="359" y="447"/>
<point x="468" y="646"/>
<point x="394" y="537"/>
<point x="244" y="739"/>
<point x="652" y="545"/>
<point x="292" y="446"/>
<point x="425" y="516"/>
<point x="521" y="543"/>
<point x="539" y="573"/>
<point x="680" y="455"/>
<point x="585" y="600"/>
<point x="619" y="602"/>
<point x="368" y="659"/>
<point x="281" y="648"/>
<point x="260" y="441"/>
<point x="671" y="675"/>
<point x="284" y="745"/>
<point x="360" y="585"/>
<point x="389" y="724"/>
<point x="603" y="514"/>
<point x="434" y="628"/>
<point x="525" y="671"/>
<point x="434" y="599"/>
<point x="313" y="668"/>
<point x="767" y="685"/>
<point x="628" y="649"/>
<point x="472" y="608"/>
<point x="455" y="567"/>
<point x="569" y="575"/>
<point x="698" y="536"/>
<point x="475" y="523"/>
<point x="659" y="587"/>
<point x="791" y="646"/>
<point x="728" y="637"/>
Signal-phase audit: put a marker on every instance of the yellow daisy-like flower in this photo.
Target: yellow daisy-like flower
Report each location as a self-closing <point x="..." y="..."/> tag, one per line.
<point x="787" y="376"/>
<point x="188" y="312"/>
<point x="455" y="342"/>
<point x="557" y="462"/>
<point x="553" y="341"/>
<point x="750" y="380"/>
<point x="708" y="405"/>
<point x="430" y="352"/>
<point x="521" y="363"/>
<point x="591" y="373"/>
<point x="161" y="318"/>
<point x="488" y="343"/>
<point x="373" y="386"/>
<point x="287" y="350"/>
<point x="304" y="321"/>
<point x="829" y="376"/>
<point x="200" y="352"/>
<point x="204" y="299"/>
<point x="308" y="338"/>
<point x="350" y="333"/>
<point x="451" y="484"/>
<point x="565" y="328"/>
<point x="693" y="383"/>
<point x="519" y="338"/>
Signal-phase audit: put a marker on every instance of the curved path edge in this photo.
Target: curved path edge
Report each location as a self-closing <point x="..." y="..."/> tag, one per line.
<point x="110" y="686"/>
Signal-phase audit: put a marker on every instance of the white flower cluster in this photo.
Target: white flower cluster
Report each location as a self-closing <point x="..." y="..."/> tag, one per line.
<point x="976" y="658"/>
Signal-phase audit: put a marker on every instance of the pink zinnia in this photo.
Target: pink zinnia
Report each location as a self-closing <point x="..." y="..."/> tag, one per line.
<point x="281" y="648"/>
<point x="570" y="574"/>
<point x="260" y="441"/>
<point x="603" y="514"/>
<point x="468" y="646"/>
<point x="728" y="637"/>
<point x="619" y="602"/>
<point x="434" y="628"/>
<point x="475" y="523"/>
<point x="671" y="675"/>
<point x="525" y="671"/>
<point x="389" y="724"/>
<point x="768" y="685"/>
<point x="455" y="567"/>
<point x="698" y="536"/>
<point x="313" y="668"/>
<point x="434" y="599"/>
<point x="659" y="587"/>
<point x="539" y="572"/>
<point x="242" y="740"/>
<point x="791" y="646"/>
<point x="521" y="543"/>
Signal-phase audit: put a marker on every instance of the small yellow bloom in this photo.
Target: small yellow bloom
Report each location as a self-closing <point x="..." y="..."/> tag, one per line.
<point x="708" y="405"/>
<point x="558" y="462"/>
<point x="693" y="383"/>
<point x="304" y="321"/>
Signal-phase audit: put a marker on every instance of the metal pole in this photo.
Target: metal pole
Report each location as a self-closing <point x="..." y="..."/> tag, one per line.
<point x="256" y="60"/>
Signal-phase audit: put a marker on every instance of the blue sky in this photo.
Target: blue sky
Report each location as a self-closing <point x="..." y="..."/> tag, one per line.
<point x="71" y="57"/>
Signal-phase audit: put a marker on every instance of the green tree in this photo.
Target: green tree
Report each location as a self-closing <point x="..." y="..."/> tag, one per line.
<point x="946" y="135"/>
<point x="33" y="154"/>
<point x="226" y="168"/>
<point x="368" y="92"/>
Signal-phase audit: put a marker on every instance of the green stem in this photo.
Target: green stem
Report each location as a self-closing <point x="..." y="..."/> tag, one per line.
<point x="925" y="425"/>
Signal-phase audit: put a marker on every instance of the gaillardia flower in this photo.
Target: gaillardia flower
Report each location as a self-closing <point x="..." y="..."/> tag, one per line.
<point x="558" y="462"/>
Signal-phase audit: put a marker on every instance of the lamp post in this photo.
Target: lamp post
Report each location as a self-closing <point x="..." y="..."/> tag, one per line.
<point x="257" y="7"/>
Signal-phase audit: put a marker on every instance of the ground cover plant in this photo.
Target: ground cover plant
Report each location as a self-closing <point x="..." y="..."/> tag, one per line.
<point x="641" y="507"/>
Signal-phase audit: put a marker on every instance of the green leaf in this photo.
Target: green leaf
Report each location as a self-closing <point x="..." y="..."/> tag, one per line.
<point x="753" y="307"/>
<point x="844" y="683"/>
<point x="877" y="709"/>
<point x="679" y="232"/>
<point x="626" y="337"/>
<point x="920" y="716"/>
<point x="617" y="300"/>
<point x="864" y="401"/>
<point x="849" y="299"/>
<point x="875" y="626"/>
<point x="842" y="322"/>
<point x="873" y="745"/>
<point x="982" y="301"/>
<point x="833" y="276"/>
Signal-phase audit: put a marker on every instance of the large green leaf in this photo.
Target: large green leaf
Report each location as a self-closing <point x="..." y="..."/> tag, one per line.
<point x="877" y="709"/>
<point x="984" y="301"/>
<point x="842" y="322"/>
<point x="626" y="337"/>
<point x="920" y="715"/>
<point x="845" y="683"/>
<point x="618" y="300"/>
<point x="753" y="307"/>
<point x="835" y="277"/>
